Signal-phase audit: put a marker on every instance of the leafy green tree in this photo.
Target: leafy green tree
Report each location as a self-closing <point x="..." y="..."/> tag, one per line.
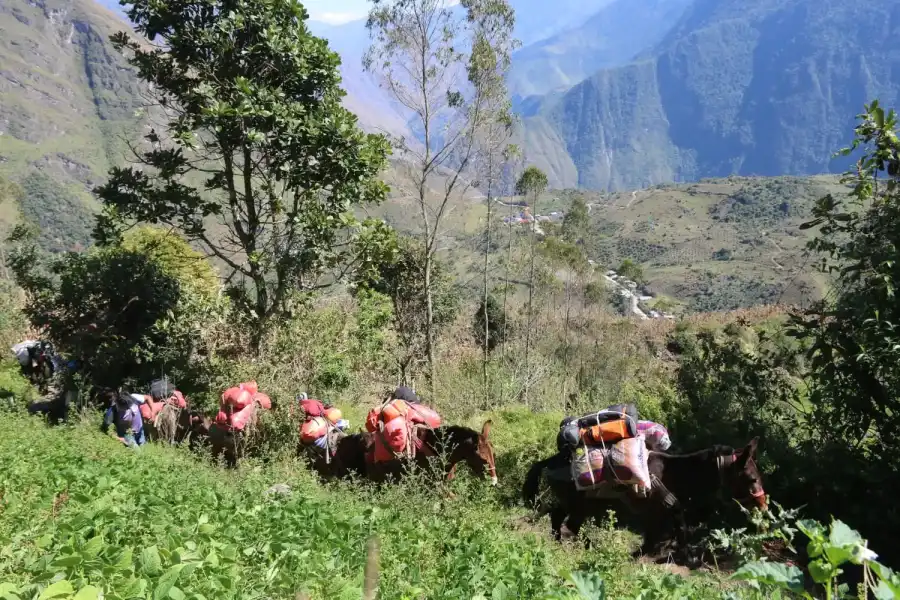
<point x="854" y="334"/>
<point x="495" y="325"/>
<point x="597" y="292"/>
<point x="259" y="162"/>
<point x="102" y="307"/>
<point x="531" y="184"/>
<point x="577" y="222"/>
<point x="399" y="277"/>
<point x="447" y="67"/>
<point x="632" y="270"/>
<point x="175" y="257"/>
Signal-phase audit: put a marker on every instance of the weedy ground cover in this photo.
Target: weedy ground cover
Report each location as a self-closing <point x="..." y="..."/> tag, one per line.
<point x="80" y="515"/>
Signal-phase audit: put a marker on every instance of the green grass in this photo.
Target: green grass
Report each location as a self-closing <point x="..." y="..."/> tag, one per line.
<point x="78" y="509"/>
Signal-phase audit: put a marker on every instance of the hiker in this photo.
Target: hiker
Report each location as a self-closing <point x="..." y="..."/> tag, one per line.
<point x="37" y="359"/>
<point x="60" y="392"/>
<point x="125" y="415"/>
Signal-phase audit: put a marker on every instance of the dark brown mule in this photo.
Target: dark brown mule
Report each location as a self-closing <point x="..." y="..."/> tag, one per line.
<point x="455" y="443"/>
<point x="684" y="490"/>
<point x="226" y="444"/>
<point x="348" y="460"/>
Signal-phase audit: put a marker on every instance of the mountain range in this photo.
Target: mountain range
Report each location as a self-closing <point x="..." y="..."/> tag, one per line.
<point x="754" y="87"/>
<point x="633" y="93"/>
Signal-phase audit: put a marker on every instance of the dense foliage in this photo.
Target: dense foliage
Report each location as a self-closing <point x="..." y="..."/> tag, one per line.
<point x="399" y="276"/>
<point x="819" y="387"/>
<point x="255" y="110"/>
<point x="123" y="313"/>
<point x="490" y="320"/>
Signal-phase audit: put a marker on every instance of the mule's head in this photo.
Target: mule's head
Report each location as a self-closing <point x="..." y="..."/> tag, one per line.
<point x="743" y="478"/>
<point x="476" y="451"/>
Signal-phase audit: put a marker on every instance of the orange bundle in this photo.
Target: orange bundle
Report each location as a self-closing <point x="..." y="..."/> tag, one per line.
<point x="607" y="432"/>
<point x="239" y="404"/>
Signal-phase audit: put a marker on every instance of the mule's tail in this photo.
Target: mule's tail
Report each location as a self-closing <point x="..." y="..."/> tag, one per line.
<point x="533" y="479"/>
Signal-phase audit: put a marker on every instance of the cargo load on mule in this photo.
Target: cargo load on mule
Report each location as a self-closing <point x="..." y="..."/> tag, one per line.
<point x="607" y="449"/>
<point x="656" y="436"/>
<point x="396" y="425"/>
<point x="323" y="426"/>
<point x="240" y="405"/>
<point x="162" y="393"/>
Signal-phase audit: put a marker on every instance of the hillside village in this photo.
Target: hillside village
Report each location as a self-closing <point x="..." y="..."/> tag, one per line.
<point x="632" y="301"/>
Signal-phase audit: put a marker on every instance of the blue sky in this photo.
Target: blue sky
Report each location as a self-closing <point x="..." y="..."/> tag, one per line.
<point x="336" y="12"/>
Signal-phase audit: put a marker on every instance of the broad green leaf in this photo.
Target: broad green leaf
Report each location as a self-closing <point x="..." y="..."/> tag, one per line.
<point x="67" y="561"/>
<point x="9" y="591"/>
<point x="884" y="592"/>
<point x="842" y="535"/>
<point x="88" y="593"/>
<point x="589" y="585"/>
<point x="93" y="546"/>
<point x="167" y="581"/>
<point x="188" y="568"/>
<point x="176" y="594"/>
<point x="887" y="577"/>
<point x="822" y="571"/>
<point x="60" y="589"/>
<point x="787" y="577"/>
<point x="124" y="562"/>
<point x="135" y="588"/>
<point x="150" y="561"/>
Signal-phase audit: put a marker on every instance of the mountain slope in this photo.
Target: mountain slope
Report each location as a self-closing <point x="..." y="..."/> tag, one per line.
<point x="376" y="111"/>
<point x="737" y="87"/>
<point x="535" y="21"/>
<point x="68" y="104"/>
<point x="611" y="37"/>
<point x="538" y="20"/>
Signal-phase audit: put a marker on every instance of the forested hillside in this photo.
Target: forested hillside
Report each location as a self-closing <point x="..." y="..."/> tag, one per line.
<point x="68" y="109"/>
<point x="610" y="37"/>
<point x="737" y="87"/>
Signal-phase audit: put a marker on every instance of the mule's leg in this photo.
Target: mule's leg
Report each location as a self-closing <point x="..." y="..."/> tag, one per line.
<point x="660" y="531"/>
<point x="577" y="516"/>
<point x="557" y="517"/>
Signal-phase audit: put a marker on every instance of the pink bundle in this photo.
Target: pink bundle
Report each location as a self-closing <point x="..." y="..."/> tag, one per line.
<point x="656" y="436"/>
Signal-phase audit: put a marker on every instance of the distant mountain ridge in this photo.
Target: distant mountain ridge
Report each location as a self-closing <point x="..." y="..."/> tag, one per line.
<point x="611" y="37"/>
<point x="751" y="87"/>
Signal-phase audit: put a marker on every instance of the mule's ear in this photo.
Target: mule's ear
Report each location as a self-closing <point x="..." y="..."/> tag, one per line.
<point x="486" y="429"/>
<point x="750" y="450"/>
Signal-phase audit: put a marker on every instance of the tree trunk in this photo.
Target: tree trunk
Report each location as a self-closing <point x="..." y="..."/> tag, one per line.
<point x="487" y="249"/>
<point x="429" y="325"/>
<point x="566" y="346"/>
<point x="262" y="313"/>
<point x="528" y="325"/>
